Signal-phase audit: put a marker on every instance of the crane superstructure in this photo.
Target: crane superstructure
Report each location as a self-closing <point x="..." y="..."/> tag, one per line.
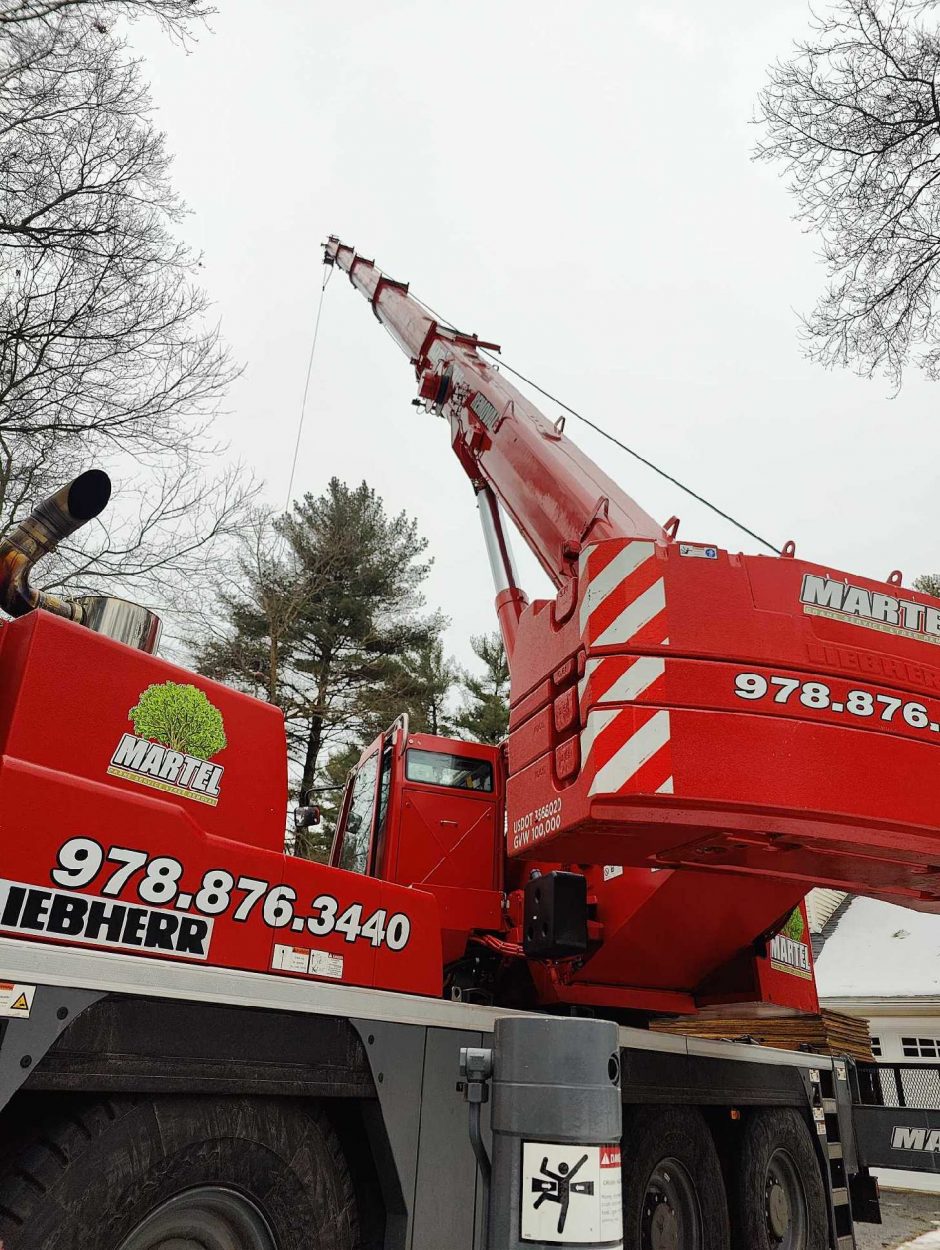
<point x="760" y="723"/>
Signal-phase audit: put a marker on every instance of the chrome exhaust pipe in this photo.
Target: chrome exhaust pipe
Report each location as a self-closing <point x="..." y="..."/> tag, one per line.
<point x="64" y="512"/>
<point x="55" y="518"/>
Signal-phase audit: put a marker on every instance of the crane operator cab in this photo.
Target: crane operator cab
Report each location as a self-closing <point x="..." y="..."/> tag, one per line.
<point x="426" y="811"/>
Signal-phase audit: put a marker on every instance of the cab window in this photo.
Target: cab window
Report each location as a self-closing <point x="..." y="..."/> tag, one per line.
<point x="355" y="852"/>
<point x="458" y="772"/>
<point x="382" y="821"/>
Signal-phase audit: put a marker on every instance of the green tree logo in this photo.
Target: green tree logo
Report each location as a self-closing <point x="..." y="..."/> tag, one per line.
<point x="794" y="928"/>
<point x="181" y="717"/>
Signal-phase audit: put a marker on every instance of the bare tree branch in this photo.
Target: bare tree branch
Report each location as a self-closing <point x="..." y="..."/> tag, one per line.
<point x="176" y="16"/>
<point x="107" y="350"/>
<point x="853" y="119"/>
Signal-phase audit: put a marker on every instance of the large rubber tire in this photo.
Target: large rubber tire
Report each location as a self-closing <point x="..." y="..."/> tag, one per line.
<point x="777" y="1155"/>
<point x="90" y="1180"/>
<point x="673" y="1191"/>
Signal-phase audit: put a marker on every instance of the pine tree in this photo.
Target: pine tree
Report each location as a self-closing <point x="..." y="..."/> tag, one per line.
<point x="434" y="676"/>
<point x="928" y="584"/>
<point x="417" y="683"/>
<point x="316" y="615"/>
<point x="485" y="714"/>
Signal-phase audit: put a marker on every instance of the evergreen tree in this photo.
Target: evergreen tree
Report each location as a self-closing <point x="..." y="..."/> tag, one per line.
<point x="316" y="616"/>
<point x="434" y="676"/>
<point x="929" y="584"/>
<point x="485" y="714"/>
<point x="418" y="683"/>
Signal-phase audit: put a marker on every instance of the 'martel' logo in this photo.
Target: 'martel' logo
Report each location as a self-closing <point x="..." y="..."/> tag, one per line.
<point x="788" y="952"/>
<point x="177" y="731"/>
<point x="790" y="956"/>
<point x="926" y="1140"/>
<point x="841" y="601"/>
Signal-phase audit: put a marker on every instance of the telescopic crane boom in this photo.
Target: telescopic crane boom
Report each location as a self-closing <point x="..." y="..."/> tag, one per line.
<point x="677" y="705"/>
<point x="557" y="497"/>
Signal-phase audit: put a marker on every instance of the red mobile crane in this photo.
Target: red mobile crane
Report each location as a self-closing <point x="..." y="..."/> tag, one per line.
<point x="203" y="1033"/>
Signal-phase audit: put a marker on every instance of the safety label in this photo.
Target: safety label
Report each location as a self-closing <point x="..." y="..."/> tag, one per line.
<point x="323" y="964"/>
<point x="16" y="999"/>
<point x="571" y="1194"/>
<point x="314" y="963"/>
<point x="291" y="958"/>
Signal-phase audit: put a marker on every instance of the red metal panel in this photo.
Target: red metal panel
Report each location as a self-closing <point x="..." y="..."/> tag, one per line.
<point x="728" y="722"/>
<point x="97" y="859"/>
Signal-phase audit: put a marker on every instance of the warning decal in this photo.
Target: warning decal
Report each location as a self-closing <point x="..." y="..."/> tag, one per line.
<point x="299" y="959"/>
<point x="571" y="1194"/>
<point x="291" y="958"/>
<point x="16" y="1000"/>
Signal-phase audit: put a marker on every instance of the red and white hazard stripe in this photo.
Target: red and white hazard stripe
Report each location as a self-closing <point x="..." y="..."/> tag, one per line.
<point x="623" y="604"/>
<point x="623" y="596"/>
<point x="620" y="679"/>
<point x="639" y="763"/>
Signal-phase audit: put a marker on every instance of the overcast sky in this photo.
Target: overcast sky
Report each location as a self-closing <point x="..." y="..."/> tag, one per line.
<point x="575" y="182"/>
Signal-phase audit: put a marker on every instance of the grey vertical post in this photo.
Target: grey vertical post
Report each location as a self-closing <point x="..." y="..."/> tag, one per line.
<point x="556" y="1122"/>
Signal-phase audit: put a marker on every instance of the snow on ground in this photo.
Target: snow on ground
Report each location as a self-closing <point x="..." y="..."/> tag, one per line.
<point x="879" y="949"/>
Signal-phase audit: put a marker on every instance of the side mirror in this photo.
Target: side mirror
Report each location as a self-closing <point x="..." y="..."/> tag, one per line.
<point x="304" y="817"/>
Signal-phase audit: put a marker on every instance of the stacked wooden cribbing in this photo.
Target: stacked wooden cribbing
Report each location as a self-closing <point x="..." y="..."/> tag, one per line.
<point x="829" y="1032"/>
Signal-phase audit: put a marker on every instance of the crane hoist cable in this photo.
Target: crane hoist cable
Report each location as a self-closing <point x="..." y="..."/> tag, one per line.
<point x="503" y="364"/>
<point x="635" y="454"/>
<point x="303" y="402"/>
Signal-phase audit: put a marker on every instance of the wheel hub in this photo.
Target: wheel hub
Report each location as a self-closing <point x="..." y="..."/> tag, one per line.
<point x="672" y="1217"/>
<point x="778" y="1210"/>
<point x="208" y="1217"/>
<point x="664" y="1228"/>
<point x="785" y="1211"/>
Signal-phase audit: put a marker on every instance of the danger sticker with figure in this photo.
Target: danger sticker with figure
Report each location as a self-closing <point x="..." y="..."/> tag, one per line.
<point x="571" y="1194"/>
<point x="16" y="1000"/>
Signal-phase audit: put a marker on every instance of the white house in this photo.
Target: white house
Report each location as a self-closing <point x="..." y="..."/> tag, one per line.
<point x="882" y="962"/>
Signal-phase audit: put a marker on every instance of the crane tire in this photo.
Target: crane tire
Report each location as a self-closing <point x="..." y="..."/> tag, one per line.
<point x="673" y="1192"/>
<point x="139" y="1173"/>
<point x="778" y="1202"/>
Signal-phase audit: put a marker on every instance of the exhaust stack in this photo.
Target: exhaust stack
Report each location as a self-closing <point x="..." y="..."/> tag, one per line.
<point x="71" y="507"/>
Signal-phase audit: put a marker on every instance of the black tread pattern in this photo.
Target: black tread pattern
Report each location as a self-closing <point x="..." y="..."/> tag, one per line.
<point x="765" y="1132"/>
<point x="651" y="1134"/>
<point x="85" y="1177"/>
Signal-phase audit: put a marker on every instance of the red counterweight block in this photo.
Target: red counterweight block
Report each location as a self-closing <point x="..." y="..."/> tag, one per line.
<point x="737" y="714"/>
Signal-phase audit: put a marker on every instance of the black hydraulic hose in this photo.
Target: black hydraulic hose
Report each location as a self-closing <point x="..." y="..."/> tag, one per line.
<point x="483" y="1163"/>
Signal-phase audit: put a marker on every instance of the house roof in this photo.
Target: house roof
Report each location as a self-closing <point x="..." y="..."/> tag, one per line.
<point x="870" y="949"/>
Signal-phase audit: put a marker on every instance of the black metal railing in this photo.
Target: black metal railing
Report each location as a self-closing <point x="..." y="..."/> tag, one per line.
<point x="900" y="1085"/>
